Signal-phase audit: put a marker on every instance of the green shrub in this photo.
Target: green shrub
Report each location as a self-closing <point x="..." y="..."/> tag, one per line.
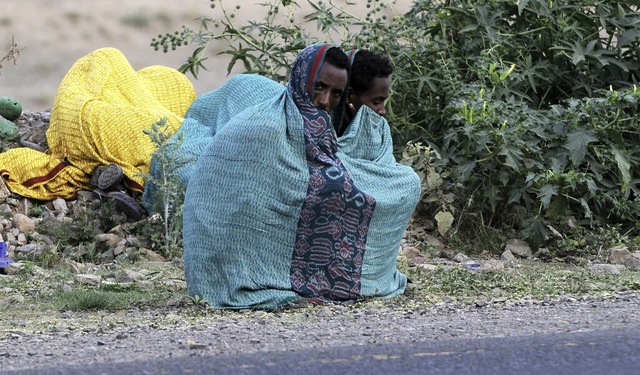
<point x="529" y="105"/>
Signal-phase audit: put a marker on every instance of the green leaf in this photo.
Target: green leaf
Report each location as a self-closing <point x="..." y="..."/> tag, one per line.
<point x="591" y="186"/>
<point x="469" y="27"/>
<point x="513" y="156"/>
<point x="546" y="193"/>
<point x="577" y="143"/>
<point x="534" y="231"/>
<point x="465" y="170"/>
<point x="522" y="4"/>
<point x="445" y="220"/>
<point x="624" y="167"/>
<point x="580" y="52"/>
<point x="585" y="206"/>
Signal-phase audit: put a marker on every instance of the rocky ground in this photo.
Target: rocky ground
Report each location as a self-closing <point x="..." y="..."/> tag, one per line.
<point x="37" y="339"/>
<point x="32" y="128"/>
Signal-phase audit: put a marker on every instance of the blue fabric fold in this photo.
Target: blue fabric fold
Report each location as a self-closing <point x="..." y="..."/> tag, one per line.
<point x="207" y="114"/>
<point x="246" y="196"/>
<point x="279" y="210"/>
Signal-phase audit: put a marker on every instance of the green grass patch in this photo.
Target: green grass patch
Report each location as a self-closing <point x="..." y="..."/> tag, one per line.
<point x="533" y="280"/>
<point x="109" y="299"/>
<point x="80" y="300"/>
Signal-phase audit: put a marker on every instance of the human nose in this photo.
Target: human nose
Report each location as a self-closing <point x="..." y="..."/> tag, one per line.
<point x="381" y="110"/>
<point x="322" y="101"/>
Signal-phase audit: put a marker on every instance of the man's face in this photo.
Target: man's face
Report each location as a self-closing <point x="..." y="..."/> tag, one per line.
<point x="374" y="98"/>
<point x="329" y="87"/>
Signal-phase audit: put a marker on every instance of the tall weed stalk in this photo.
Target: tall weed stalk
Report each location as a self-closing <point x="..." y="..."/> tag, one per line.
<point x="168" y="191"/>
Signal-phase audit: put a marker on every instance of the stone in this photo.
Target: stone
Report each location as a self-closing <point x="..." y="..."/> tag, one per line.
<point x="88" y="279"/>
<point x="118" y="250"/>
<point x="13" y="268"/>
<point x="632" y="263"/>
<point x="445" y="254"/>
<point x="109" y="239"/>
<point x="519" y="248"/>
<point x="618" y="254"/>
<point x="325" y="312"/>
<point x="543" y="253"/>
<point x="130" y="275"/>
<point x="507" y="256"/>
<point x="150" y="255"/>
<point x="76" y="267"/>
<point x="9" y="237"/>
<point x="492" y="265"/>
<point x="24" y="223"/>
<point x="428" y="267"/>
<point x="60" y="206"/>
<point x="433" y="242"/>
<point x="108" y="255"/>
<point x="460" y="258"/>
<point x="5" y="209"/>
<point x="31" y="249"/>
<point x="605" y="269"/>
<point x="411" y="252"/>
<point x="133" y="241"/>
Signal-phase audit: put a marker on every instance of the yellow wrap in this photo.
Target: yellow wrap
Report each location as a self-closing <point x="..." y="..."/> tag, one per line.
<point x="100" y="111"/>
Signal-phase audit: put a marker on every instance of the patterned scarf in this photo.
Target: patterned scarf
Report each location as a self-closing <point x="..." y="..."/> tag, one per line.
<point x="334" y="220"/>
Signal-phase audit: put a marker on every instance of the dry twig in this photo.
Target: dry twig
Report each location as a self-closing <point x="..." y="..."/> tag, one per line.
<point x="13" y="54"/>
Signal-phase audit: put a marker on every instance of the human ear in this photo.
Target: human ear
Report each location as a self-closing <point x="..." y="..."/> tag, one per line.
<point x="350" y="97"/>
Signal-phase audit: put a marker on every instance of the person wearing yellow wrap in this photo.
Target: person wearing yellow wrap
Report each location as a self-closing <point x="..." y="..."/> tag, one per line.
<point x="100" y="112"/>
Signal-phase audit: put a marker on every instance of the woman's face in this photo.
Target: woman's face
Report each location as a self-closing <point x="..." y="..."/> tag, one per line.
<point x="374" y="98"/>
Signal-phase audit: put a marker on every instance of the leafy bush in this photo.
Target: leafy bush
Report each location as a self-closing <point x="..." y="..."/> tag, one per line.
<point x="576" y="158"/>
<point x="528" y="108"/>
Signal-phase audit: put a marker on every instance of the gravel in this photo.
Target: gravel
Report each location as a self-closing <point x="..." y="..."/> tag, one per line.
<point x="82" y="339"/>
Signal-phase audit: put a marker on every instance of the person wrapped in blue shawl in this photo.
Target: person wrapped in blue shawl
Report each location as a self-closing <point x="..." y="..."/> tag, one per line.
<point x="277" y="210"/>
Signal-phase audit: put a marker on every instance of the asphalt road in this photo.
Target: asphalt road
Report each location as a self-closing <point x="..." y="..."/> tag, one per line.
<point x="594" y="352"/>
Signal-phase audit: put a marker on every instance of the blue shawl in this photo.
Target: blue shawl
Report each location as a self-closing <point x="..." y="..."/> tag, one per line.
<point x="278" y="210"/>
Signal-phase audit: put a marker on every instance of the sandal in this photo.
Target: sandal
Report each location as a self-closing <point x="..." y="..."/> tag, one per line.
<point x="123" y="203"/>
<point x="95" y="175"/>
<point x="106" y="178"/>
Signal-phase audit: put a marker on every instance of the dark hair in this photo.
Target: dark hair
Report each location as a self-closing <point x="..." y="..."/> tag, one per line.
<point x="367" y="66"/>
<point x="336" y="57"/>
